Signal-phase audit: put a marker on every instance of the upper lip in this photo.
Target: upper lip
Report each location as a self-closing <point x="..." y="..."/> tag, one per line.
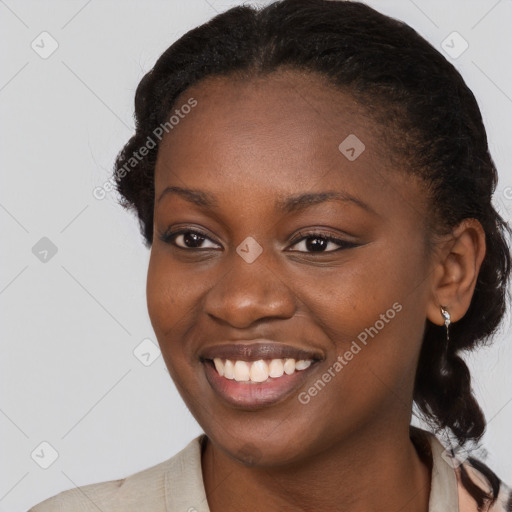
<point x="258" y="349"/>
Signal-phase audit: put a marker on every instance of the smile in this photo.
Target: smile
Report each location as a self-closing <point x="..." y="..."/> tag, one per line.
<point x="255" y="375"/>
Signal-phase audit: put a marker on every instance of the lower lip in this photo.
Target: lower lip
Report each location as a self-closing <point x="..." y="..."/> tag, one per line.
<point x="251" y="395"/>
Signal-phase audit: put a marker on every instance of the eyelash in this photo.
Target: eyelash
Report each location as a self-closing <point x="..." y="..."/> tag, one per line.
<point x="169" y="237"/>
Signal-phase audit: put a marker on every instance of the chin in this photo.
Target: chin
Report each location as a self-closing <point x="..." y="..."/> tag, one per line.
<point x="270" y="448"/>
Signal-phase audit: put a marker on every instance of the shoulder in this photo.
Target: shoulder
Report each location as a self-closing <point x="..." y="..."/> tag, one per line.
<point x="460" y="482"/>
<point x="112" y="495"/>
<point x="476" y="484"/>
<point x="145" y="490"/>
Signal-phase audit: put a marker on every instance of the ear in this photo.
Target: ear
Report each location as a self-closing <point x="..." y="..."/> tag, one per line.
<point x="455" y="272"/>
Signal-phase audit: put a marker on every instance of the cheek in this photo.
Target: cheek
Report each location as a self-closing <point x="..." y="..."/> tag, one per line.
<point x="350" y="298"/>
<point x="172" y="301"/>
<point x="374" y="316"/>
<point x="169" y="293"/>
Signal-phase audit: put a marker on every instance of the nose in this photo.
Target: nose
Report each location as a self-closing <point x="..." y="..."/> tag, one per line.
<point x="249" y="293"/>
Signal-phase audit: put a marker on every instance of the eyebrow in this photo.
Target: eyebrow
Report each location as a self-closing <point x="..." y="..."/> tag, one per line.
<point x="288" y="205"/>
<point x="197" y="197"/>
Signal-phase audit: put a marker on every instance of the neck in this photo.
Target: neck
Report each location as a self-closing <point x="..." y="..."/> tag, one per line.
<point x="367" y="472"/>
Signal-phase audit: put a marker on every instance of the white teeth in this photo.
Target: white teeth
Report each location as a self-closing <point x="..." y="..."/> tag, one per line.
<point x="229" y="370"/>
<point x="302" y="364"/>
<point x="289" y="366"/>
<point x="275" y="368"/>
<point x="219" y="366"/>
<point x="258" y="371"/>
<point x="242" y="371"/>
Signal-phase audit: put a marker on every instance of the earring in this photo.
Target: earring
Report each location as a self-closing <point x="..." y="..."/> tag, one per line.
<point x="445" y="367"/>
<point x="447" y="321"/>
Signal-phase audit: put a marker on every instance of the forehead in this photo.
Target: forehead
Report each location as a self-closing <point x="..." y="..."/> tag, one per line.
<point x="274" y="135"/>
<point x="299" y="107"/>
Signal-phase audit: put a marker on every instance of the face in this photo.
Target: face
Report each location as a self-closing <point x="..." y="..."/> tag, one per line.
<point x="275" y="245"/>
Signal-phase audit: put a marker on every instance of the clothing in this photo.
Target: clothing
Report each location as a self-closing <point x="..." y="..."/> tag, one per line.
<point x="176" y="485"/>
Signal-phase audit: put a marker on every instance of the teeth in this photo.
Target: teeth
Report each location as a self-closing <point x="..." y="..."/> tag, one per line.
<point x="229" y="370"/>
<point x="289" y="366"/>
<point x="276" y="368"/>
<point x="242" y="371"/>
<point x="302" y="364"/>
<point x="219" y="366"/>
<point x="258" y="371"/>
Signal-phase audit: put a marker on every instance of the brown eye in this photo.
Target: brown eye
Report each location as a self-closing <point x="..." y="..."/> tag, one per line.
<point x="319" y="242"/>
<point x="187" y="239"/>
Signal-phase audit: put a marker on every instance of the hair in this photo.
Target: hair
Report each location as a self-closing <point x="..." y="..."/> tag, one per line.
<point x="405" y="84"/>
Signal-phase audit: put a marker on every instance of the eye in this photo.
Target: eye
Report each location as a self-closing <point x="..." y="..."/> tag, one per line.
<point x="187" y="239"/>
<point x="319" y="242"/>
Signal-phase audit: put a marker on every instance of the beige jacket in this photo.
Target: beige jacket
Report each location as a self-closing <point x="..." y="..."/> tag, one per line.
<point x="176" y="485"/>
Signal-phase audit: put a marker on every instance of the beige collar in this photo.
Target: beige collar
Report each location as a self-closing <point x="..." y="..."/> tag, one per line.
<point x="443" y="485"/>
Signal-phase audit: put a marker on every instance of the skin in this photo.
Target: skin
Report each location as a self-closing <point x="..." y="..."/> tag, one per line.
<point x="249" y="144"/>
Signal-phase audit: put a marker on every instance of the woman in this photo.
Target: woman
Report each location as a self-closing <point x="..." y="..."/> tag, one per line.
<point x="314" y="182"/>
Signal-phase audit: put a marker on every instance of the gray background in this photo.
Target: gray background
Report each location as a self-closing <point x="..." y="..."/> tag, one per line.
<point x="70" y="321"/>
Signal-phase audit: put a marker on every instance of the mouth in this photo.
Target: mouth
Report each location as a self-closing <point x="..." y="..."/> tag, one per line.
<point x="251" y="376"/>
